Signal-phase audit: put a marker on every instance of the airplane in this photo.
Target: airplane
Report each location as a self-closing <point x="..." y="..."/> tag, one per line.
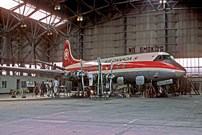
<point x="155" y="66"/>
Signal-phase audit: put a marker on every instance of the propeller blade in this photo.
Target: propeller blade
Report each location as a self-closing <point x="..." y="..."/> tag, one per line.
<point x="82" y="74"/>
<point x="81" y="64"/>
<point x="111" y="66"/>
<point x="110" y="84"/>
<point x="82" y="81"/>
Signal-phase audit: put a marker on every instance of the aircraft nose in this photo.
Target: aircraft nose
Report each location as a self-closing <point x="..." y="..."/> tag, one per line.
<point x="180" y="73"/>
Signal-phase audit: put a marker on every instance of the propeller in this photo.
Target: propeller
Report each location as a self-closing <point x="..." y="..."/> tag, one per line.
<point x="82" y="74"/>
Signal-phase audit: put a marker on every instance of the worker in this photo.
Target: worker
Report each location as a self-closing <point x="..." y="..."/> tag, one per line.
<point x="42" y="88"/>
<point x="90" y="77"/>
<point x="51" y="88"/>
<point x="56" y="83"/>
<point x="48" y="88"/>
<point x="36" y="89"/>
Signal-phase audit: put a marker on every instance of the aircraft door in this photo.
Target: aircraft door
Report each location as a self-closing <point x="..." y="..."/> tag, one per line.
<point x="18" y="83"/>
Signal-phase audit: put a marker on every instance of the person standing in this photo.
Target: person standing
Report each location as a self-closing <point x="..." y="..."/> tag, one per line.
<point x="56" y="83"/>
<point x="48" y="88"/>
<point x="90" y="78"/>
<point x="51" y="88"/>
<point x="36" y="89"/>
<point x="42" y="88"/>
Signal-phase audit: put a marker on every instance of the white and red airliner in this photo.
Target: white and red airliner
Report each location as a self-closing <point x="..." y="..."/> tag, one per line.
<point x="153" y="66"/>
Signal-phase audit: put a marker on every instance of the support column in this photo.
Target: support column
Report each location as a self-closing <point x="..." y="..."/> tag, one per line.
<point x="125" y="35"/>
<point x="80" y="36"/>
<point x="20" y="56"/>
<point x="3" y="49"/>
<point x="165" y="27"/>
<point x="8" y="52"/>
<point x="31" y="55"/>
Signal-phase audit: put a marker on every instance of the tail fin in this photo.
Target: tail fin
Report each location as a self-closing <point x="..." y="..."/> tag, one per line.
<point x="68" y="59"/>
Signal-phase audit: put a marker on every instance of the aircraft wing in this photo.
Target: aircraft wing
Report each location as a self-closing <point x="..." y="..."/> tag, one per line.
<point x="61" y="68"/>
<point x="33" y="71"/>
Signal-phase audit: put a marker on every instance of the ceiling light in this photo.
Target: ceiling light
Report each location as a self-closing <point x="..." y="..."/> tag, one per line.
<point x="23" y="25"/>
<point x="49" y="33"/>
<point x="57" y="7"/>
<point x="79" y="18"/>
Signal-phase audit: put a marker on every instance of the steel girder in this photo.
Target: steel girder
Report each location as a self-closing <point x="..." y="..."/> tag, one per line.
<point x="23" y="45"/>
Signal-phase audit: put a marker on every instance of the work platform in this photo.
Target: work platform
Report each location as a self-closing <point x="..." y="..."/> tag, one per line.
<point x="82" y="116"/>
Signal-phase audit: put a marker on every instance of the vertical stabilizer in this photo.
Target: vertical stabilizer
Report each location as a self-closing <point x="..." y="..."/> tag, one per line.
<point x="68" y="59"/>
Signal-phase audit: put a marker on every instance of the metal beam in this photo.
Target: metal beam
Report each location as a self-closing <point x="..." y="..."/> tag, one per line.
<point x="93" y="9"/>
<point x="134" y="6"/>
<point x="152" y="5"/>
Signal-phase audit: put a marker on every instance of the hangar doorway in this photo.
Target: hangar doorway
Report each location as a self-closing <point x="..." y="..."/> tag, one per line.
<point x="18" y="84"/>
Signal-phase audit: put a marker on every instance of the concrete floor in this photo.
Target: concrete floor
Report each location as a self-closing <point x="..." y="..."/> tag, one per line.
<point x="116" y="116"/>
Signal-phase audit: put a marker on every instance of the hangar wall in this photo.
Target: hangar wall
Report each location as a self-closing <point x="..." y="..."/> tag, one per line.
<point x="16" y="81"/>
<point x="104" y="40"/>
<point x="176" y="31"/>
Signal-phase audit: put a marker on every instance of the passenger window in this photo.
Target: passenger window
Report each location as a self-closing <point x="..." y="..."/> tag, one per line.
<point x="97" y="68"/>
<point x="88" y="69"/>
<point x="106" y="67"/>
<point x="92" y="68"/>
<point x="84" y="69"/>
<point x="117" y="66"/>
<point x="123" y="66"/>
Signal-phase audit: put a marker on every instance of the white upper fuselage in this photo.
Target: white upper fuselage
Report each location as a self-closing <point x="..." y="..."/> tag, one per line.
<point x="119" y="59"/>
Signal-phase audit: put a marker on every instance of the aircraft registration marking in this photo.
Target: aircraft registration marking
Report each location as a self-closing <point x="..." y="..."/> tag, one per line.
<point x="119" y="59"/>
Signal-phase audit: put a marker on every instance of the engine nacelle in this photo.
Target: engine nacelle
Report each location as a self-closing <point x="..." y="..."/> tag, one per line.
<point x="73" y="75"/>
<point x="120" y="80"/>
<point x="140" y="80"/>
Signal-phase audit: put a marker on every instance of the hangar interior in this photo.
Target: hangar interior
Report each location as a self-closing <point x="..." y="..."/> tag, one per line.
<point x="37" y="30"/>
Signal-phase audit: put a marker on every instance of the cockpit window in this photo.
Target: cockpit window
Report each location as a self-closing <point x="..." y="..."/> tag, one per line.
<point x="172" y="57"/>
<point x="163" y="57"/>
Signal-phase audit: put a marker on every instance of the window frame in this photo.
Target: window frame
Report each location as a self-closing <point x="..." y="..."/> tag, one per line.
<point x="4" y="85"/>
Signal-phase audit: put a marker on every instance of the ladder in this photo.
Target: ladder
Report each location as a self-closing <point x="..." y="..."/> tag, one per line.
<point x="192" y="85"/>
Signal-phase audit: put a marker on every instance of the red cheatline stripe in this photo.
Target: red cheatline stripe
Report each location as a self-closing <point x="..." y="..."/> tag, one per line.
<point x="129" y="65"/>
